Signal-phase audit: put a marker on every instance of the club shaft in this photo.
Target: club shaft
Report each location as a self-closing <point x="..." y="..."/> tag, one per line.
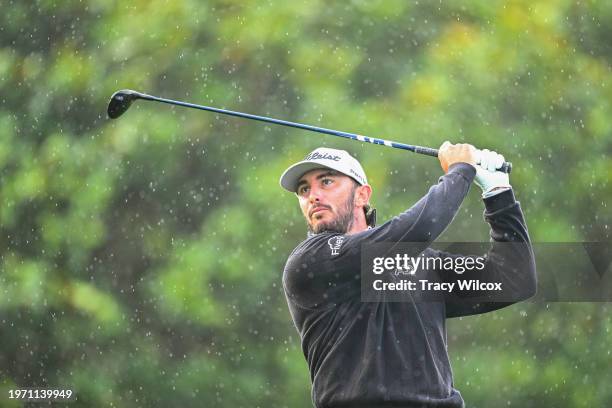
<point x="361" y="138"/>
<point x="507" y="167"/>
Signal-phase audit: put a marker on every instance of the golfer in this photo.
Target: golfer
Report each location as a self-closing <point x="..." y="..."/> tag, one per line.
<point x="389" y="354"/>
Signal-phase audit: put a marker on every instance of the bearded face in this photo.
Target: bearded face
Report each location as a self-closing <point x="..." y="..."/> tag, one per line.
<point x="327" y="200"/>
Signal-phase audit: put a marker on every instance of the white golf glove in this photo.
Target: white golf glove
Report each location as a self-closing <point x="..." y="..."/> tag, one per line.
<point x="491" y="181"/>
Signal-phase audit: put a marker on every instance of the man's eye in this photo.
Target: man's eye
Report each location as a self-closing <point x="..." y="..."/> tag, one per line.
<point x="302" y="190"/>
<point x="327" y="181"/>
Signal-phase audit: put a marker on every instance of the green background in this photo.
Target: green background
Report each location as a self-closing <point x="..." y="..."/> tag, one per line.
<point x="141" y="258"/>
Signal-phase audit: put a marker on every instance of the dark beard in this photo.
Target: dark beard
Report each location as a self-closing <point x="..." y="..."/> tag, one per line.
<point x="342" y="223"/>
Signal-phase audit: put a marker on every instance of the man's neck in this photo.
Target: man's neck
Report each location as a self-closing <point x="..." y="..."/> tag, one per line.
<point x="359" y="224"/>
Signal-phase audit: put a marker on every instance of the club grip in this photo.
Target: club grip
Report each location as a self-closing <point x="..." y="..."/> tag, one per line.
<point x="426" y="150"/>
<point x="505" y="168"/>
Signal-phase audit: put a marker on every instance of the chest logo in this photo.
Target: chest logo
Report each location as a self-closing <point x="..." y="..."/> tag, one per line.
<point x="335" y="243"/>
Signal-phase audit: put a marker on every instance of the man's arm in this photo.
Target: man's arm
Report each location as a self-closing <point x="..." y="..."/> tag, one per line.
<point x="510" y="261"/>
<point x="430" y="216"/>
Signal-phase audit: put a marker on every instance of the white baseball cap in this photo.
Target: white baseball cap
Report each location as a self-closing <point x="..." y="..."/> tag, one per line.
<point x="323" y="158"/>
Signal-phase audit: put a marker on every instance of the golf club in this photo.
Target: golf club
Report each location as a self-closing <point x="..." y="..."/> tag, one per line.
<point x="121" y="101"/>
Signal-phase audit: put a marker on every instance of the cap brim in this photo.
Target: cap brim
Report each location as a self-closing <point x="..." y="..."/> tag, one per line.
<point x="289" y="179"/>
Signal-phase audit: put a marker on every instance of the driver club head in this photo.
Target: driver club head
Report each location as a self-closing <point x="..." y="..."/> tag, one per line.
<point x="120" y="102"/>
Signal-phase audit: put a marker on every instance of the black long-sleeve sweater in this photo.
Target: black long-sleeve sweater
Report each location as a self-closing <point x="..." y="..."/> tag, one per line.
<point x="393" y="354"/>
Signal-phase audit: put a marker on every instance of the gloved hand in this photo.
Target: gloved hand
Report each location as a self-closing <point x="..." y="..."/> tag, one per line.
<point x="487" y="178"/>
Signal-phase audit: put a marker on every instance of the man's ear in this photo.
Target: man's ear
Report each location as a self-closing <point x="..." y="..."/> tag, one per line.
<point x="362" y="196"/>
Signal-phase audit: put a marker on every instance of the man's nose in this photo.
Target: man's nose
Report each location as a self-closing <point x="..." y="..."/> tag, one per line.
<point x="315" y="194"/>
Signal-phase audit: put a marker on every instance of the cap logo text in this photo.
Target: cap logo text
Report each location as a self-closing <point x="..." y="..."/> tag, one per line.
<point x="323" y="156"/>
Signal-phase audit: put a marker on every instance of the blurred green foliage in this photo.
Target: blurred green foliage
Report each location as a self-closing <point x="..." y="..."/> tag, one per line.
<point x="141" y="258"/>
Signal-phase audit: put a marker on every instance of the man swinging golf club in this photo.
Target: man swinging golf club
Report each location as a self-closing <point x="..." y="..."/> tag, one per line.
<point x="389" y="354"/>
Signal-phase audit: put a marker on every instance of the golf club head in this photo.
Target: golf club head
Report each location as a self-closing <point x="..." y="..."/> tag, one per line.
<point x="120" y="102"/>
